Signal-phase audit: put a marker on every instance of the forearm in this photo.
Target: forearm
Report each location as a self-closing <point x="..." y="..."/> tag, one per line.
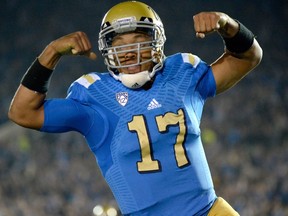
<point x="240" y="43"/>
<point x="26" y="108"/>
<point x="49" y="57"/>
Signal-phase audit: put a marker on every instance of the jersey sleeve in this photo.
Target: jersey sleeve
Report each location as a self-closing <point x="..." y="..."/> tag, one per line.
<point x="206" y="85"/>
<point x="63" y="115"/>
<point x="74" y="113"/>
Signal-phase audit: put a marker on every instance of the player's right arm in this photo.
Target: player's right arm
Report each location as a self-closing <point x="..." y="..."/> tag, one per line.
<point x="27" y="106"/>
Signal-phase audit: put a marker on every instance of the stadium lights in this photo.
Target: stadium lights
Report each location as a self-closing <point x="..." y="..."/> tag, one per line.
<point x="100" y="210"/>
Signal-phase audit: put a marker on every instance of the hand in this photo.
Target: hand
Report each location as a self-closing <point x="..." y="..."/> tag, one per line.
<point x="207" y="22"/>
<point x="76" y="43"/>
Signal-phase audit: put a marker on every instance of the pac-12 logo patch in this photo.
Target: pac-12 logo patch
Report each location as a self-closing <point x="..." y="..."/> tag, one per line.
<point x="122" y="98"/>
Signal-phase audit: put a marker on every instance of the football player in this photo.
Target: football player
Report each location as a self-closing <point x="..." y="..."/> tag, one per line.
<point x="141" y="119"/>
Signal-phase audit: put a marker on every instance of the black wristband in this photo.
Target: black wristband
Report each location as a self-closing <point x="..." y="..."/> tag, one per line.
<point x="37" y="77"/>
<point x="241" y="42"/>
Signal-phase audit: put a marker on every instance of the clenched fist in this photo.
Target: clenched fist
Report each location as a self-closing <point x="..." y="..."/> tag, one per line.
<point x="76" y="43"/>
<point x="207" y="22"/>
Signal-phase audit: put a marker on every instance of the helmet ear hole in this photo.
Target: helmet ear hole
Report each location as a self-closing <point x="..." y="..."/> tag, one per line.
<point x="126" y="17"/>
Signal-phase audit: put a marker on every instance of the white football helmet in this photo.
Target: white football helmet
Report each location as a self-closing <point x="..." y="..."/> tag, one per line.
<point x="125" y="17"/>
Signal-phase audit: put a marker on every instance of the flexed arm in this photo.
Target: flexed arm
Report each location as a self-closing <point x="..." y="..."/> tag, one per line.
<point x="26" y="107"/>
<point x="242" y="52"/>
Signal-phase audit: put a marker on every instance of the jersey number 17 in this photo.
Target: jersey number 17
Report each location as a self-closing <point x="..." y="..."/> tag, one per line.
<point x="138" y="125"/>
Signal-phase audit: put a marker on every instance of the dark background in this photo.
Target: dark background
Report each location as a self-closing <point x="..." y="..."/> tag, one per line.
<point x="244" y="130"/>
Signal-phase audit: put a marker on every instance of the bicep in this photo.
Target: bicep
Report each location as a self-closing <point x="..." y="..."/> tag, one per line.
<point x="26" y="108"/>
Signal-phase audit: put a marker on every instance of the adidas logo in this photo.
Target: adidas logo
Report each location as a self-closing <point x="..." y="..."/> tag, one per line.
<point x="153" y="104"/>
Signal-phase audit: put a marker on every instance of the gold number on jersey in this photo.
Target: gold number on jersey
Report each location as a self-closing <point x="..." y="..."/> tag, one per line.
<point x="138" y="125"/>
<point x="175" y="119"/>
<point x="147" y="164"/>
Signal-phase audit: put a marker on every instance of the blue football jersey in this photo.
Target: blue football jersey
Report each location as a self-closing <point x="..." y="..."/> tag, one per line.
<point x="147" y="142"/>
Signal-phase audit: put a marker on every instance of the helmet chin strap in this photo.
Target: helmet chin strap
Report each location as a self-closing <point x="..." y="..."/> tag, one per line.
<point x="136" y="80"/>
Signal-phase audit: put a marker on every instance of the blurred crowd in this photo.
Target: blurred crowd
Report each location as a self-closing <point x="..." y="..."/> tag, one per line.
<point x="245" y="131"/>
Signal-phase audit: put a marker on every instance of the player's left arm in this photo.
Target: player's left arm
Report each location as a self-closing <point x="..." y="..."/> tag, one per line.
<point x="242" y="52"/>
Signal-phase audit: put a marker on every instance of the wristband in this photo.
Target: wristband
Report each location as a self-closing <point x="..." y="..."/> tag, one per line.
<point x="241" y="42"/>
<point x="37" y="77"/>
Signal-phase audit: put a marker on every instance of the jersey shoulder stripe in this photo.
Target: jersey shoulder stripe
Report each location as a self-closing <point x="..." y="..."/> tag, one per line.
<point x="190" y="58"/>
<point x="88" y="79"/>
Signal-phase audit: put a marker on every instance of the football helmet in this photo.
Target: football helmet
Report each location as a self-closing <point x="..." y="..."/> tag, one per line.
<point x="126" y="17"/>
